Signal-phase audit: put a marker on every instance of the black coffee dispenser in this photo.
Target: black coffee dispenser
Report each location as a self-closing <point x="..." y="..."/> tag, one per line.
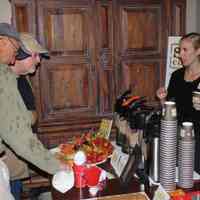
<point x="131" y="166"/>
<point x="145" y="120"/>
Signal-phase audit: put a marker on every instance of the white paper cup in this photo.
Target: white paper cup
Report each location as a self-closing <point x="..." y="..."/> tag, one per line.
<point x="196" y="99"/>
<point x="63" y="181"/>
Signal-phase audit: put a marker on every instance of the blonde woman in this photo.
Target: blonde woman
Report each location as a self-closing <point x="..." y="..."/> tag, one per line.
<point x="183" y="83"/>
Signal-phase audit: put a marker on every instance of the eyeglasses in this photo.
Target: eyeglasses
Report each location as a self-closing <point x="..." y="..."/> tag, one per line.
<point x="21" y="54"/>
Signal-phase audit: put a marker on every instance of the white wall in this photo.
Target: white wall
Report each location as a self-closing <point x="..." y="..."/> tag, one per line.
<point x="198" y="15"/>
<point x="191" y="16"/>
<point x="5" y="14"/>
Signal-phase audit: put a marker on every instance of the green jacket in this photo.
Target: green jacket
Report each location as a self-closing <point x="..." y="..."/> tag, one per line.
<point x="15" y="125"/>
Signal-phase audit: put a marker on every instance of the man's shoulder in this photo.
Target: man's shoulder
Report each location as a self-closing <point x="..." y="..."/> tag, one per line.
<point x="6" y="73"/>
<point x="3" y="67"/>
<point x="4" y="70"/>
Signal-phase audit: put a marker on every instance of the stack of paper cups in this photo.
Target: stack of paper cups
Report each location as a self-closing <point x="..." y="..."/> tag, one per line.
<point x="168" y="144"/>
<point x="186" y="155"/>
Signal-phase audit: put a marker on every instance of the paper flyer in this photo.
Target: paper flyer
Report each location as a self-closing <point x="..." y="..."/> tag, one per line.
<point x="173" y="60"/>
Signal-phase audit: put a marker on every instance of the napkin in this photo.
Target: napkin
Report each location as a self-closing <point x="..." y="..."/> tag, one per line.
<point x="63" y="181"/>
<point x="5" y="193"/>
<point x="4" y="175"/>
<point x="161" y="194"/>
<point x="103" y="176"/>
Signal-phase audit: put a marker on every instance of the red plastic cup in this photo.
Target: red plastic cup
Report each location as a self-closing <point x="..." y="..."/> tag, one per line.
<point x="92" y="175"/>
<point x="79" y="174"/>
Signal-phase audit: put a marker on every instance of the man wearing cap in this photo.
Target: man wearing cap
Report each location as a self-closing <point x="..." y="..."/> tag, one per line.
<point x="26" y="62"/>
<point x="15" y="120"/>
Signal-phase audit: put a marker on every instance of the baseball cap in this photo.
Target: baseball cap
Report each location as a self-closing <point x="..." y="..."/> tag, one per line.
<point x="9" y="31"/>
<point x="30" y="44"/>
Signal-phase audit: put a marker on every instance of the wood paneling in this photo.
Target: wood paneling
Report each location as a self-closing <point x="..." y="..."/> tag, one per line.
<point x="66" y="30"/>
<point x="105" y="62"/>
<point x="142" y="77"/>
<point x="179" y="10"/>
<point x="136" y="23"/>
<point x="140" y="51"/>
<point x="23" y="12"/>
<point x="68" y="36"/>
<point x="98" y="48"/>
<point x="66" y="89"/>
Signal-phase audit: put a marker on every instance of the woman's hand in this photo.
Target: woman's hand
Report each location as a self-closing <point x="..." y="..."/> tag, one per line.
<point x="161" y="93"/>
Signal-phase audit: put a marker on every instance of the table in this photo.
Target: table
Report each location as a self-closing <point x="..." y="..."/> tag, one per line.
<point x="111" y="187"/>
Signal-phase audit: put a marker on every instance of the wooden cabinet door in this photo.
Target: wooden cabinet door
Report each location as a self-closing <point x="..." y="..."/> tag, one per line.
<point x="142" y="36"/>
<point x="142" y="44"/>
<point x="67" y="82"/>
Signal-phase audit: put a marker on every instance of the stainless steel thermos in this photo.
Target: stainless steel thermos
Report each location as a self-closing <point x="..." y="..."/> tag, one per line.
<point x="154" y="167"/>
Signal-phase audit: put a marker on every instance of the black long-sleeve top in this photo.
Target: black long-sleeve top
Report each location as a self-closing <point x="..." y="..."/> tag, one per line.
<point x="180" y="91"/>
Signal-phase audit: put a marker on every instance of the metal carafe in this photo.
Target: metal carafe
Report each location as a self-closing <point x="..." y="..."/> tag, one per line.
<point x="154" y="166"/>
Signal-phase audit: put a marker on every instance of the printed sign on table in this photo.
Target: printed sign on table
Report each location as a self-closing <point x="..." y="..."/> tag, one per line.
<point x="173" y="61"/>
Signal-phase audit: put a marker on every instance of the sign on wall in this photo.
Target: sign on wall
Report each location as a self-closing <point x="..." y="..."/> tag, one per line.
<point x="173" y="61"/>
